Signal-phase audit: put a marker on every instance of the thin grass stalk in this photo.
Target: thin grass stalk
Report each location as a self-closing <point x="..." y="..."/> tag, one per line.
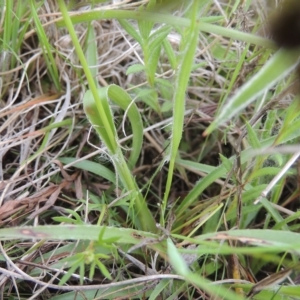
<point x="46" y="48"/>
<point x="181" y="85"/>
<point x="159" y="18"/>
<point x="86" y="69"/>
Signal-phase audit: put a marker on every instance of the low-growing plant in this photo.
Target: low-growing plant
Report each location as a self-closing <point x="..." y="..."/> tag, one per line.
<point x="188" y="189"/>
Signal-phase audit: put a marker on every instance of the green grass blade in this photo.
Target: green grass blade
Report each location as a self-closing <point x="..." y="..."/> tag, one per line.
<point x="92" y="167"/>
<point x="109" y="137"/>
<point x="182" y="269"/>
<point x="121" y="98"/>
<point x="131" y="30"/>
<point x="179" y="100"/>
<point x="91" y="51"/>
<point x="46" y="48"/>
<point x="204" y="24"/>
<point x="7" y="34"/>
<point x="98" y="103"/>
<point x="274" y="70"/>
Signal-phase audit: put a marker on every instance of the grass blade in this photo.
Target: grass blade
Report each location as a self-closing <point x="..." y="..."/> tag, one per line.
<point x="275" y="69"/>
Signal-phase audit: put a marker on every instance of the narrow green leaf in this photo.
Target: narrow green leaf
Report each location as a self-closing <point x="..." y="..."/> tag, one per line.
<point x="91" y="51"/>
<point x="152" y="64"/>
<point x="176" y="259"/>
<point x="289" y="132"/>
<point x="149" y="96"/>
<point x="179" y="98"/>
<point x="131" y="30"/>
<point x="182" y="269"/>
<point x="252" y="137"/>
<point x="226" y="162"/>
<point x="120" y="97"/>
<point x="103" y="269"/>
<point x="81" y="272"/>
<point x="145" y="27"/>
<point x="159" y="288"/>
<point x="47" y="51"/>
<point x="136" y="68"/>
<point x="92" y="270"/>
<point x="257" y="236"/>
<point x="158" y="37"/>
<point x="141" y="215"/>
<point x="94" y="116"/>
<point x="90" y="166"/>
<point x="215" y="174"/>
<point x="269" y="124"/>
<point x="94" y="102"/>
<point x="282" y="63"/>
<point x="204" y="24"/>
<point x="8" y="16"/>
<point x="67" y="276"/>
<point x="170" y="53"/>
<point x="266" y="171"/>
<point x="78" y="232"/>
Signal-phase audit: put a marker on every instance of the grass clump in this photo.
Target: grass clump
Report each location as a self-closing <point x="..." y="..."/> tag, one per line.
<point x="149" y="150"/>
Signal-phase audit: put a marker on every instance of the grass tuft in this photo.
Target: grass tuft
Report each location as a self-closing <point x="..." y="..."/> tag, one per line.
<point x="148" y="150"/>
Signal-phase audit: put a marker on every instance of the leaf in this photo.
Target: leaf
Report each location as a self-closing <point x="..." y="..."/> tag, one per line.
<point x="159" y="288"/>
<point x="282" y="63"/>
<point x="131" y="30"/>
<point x="91" y="51"/>
<point x="136" y="68"/>
<point x="145" y="28"/>
<point x="176" y="259"/>
<point x="152" y="64"/>
<point x="170" y="53"/>
<point x="252" y="137"/>
<point x="226" y="162"/>
<point x="103" y="269"/>
<point x="149" y="96"/>
<point x="94" y="116"/>
<point x="90" y="166"/>
<point x="76" y="260"/>
<point x="266" y="237"/>
<point x="271" y="280"/>
<point x="121" y="97"/>
<point x="158" y="37"/>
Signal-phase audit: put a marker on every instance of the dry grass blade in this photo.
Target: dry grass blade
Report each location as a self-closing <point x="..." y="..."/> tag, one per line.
<point x="269" y="281"/>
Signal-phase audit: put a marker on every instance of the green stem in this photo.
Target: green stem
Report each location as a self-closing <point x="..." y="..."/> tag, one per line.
<point x="86" y="70"/>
